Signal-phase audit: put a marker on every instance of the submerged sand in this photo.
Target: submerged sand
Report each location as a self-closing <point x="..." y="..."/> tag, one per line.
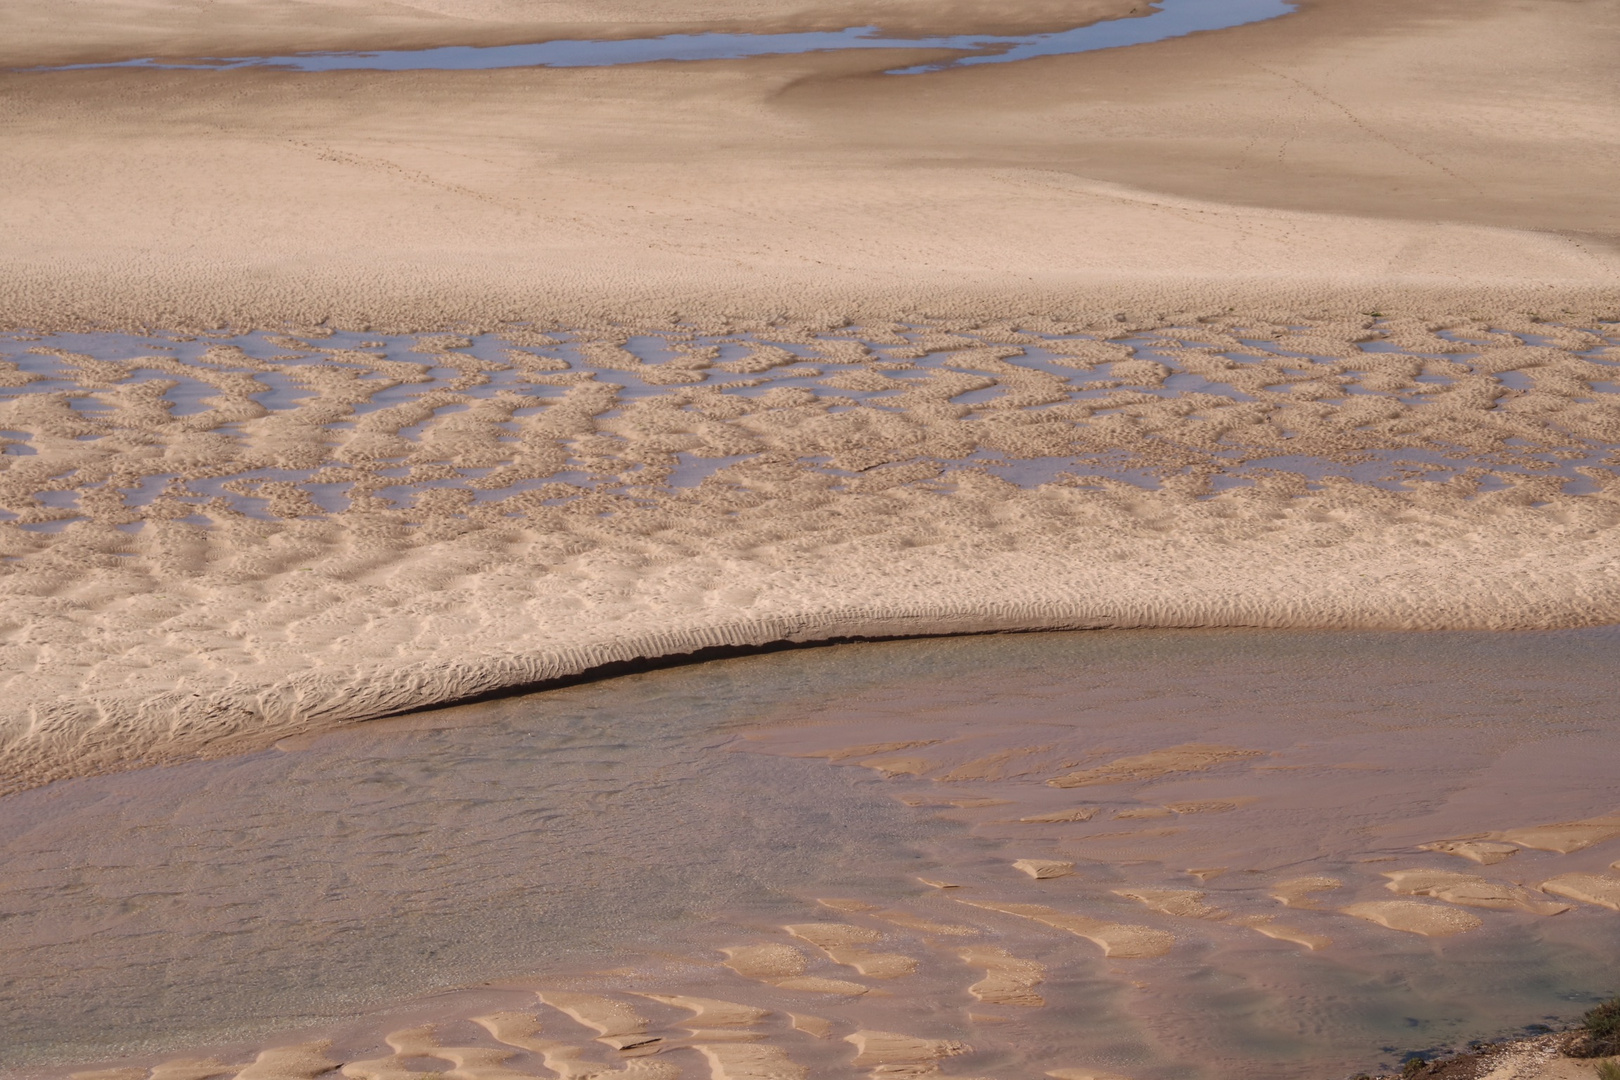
<point x="1146" y="854"/>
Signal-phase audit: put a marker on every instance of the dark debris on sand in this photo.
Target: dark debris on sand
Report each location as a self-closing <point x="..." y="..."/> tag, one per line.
<point x="1597" y="1036"/>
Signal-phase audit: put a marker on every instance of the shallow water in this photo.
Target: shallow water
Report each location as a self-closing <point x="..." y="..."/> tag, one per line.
<point x="1169" y="19"/>
<point x="612" y="837"/>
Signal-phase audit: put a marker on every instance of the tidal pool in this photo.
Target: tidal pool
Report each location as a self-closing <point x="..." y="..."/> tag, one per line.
<point x="1188" y="853"/>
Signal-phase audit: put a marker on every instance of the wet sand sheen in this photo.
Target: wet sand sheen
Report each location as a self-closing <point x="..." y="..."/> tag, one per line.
<point x="1148" y="854"/>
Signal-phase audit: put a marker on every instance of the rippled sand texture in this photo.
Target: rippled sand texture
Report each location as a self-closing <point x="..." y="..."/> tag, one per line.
<point x="1152" y="854"/>
<point x="211" y="542"/>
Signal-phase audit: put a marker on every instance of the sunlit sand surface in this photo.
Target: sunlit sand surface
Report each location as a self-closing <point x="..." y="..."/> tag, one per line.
<point x="1149" y="855"/>
<point x="209" y="541"/>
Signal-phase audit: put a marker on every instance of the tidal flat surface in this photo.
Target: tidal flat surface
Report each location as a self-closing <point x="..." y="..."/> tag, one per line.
<point x="278" y="426"/>
<point x="1150" y="854"/>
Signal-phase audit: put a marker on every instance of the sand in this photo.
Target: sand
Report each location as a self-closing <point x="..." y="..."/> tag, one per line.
<point x="1286" y="165"/>
<point x="512" y="512"/>
<point x="1274" y="180"/>
<point x="1411" y="207"/>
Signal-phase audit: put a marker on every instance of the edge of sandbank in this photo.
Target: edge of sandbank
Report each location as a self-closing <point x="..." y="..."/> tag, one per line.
<point x="469" y="299"/>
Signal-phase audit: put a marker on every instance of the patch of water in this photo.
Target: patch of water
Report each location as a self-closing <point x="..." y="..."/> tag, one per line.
<point x="1168" y="19"/>
<point x="614" y="836"/>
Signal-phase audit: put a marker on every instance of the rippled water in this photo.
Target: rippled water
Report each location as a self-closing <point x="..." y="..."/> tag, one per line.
<point x="1168" y="19"/>
<point x="616" y="835"/>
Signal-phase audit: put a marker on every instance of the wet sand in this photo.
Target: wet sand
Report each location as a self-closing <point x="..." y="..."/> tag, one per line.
<point x="820" y="862"/>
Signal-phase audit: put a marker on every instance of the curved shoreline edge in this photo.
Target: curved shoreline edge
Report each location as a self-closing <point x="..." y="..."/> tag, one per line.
<point x="102" y="700"/>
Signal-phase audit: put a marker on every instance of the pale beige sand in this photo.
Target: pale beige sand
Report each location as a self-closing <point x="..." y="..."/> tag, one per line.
<point x="1074" y="814"/>
<point x="1566" y="837"/>
<point x="1597" y="889"/>
<point x="1042" y="869"/>
<point x="1190" y="758"/>
<point x="1266" y="925"/>
<point x="1008" y="980"/>
<point x="890" y="1054"/>
<point x="1184" y="903"/>
<point x="840" y="940"/>
<point x="1430" y="920"/>
<point x="1470" y="890"/>
<point x="1360" y="152"/>
<point x="1114" y="939"/>
<point x="421" y="198"/>
<point x="1484" y="852"/>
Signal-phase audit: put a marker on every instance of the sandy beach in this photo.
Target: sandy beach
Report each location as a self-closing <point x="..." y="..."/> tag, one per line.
<point x="333" y="396"/>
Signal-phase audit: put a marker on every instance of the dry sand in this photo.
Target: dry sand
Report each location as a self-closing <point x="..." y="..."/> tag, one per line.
<point x="541" y="532"/>
<point x="1446" y="158"/>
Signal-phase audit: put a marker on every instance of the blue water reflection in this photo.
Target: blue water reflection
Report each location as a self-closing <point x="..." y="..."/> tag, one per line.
<point x="1168" y="19"/>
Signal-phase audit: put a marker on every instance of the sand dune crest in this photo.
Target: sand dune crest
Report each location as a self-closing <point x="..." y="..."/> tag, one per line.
<point x="1484" y="852"/>
<point x="302" y="1062"/>
<point x="748" y="1061"/>
<point x="189" y="1069"/>
<point x="765" y="962"/>
<point x="710" y="1012"/>
<point x="1297" y="892"/>
<point x="1184" y="903"/>
<point x="815" y="984"/>
<point x="1042" y="869"/>
<point x="1058" y="817"/>
<point x="839" y="941"/>
<point x="1566" y="837"/>
<point x="1263" y="924"/>
<point x="888" y="1053"/>
<point x="614" y="1022"/>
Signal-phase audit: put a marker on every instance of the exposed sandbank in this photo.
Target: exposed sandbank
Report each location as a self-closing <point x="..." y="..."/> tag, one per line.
<point x="1279" y="166"/>
<point x="491" y="536"/>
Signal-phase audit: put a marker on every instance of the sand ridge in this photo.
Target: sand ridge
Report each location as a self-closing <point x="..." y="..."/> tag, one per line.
<point x="216" y="542"/>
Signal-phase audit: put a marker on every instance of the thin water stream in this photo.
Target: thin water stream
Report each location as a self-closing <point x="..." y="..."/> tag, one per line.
<point x="1167" y="19"/>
